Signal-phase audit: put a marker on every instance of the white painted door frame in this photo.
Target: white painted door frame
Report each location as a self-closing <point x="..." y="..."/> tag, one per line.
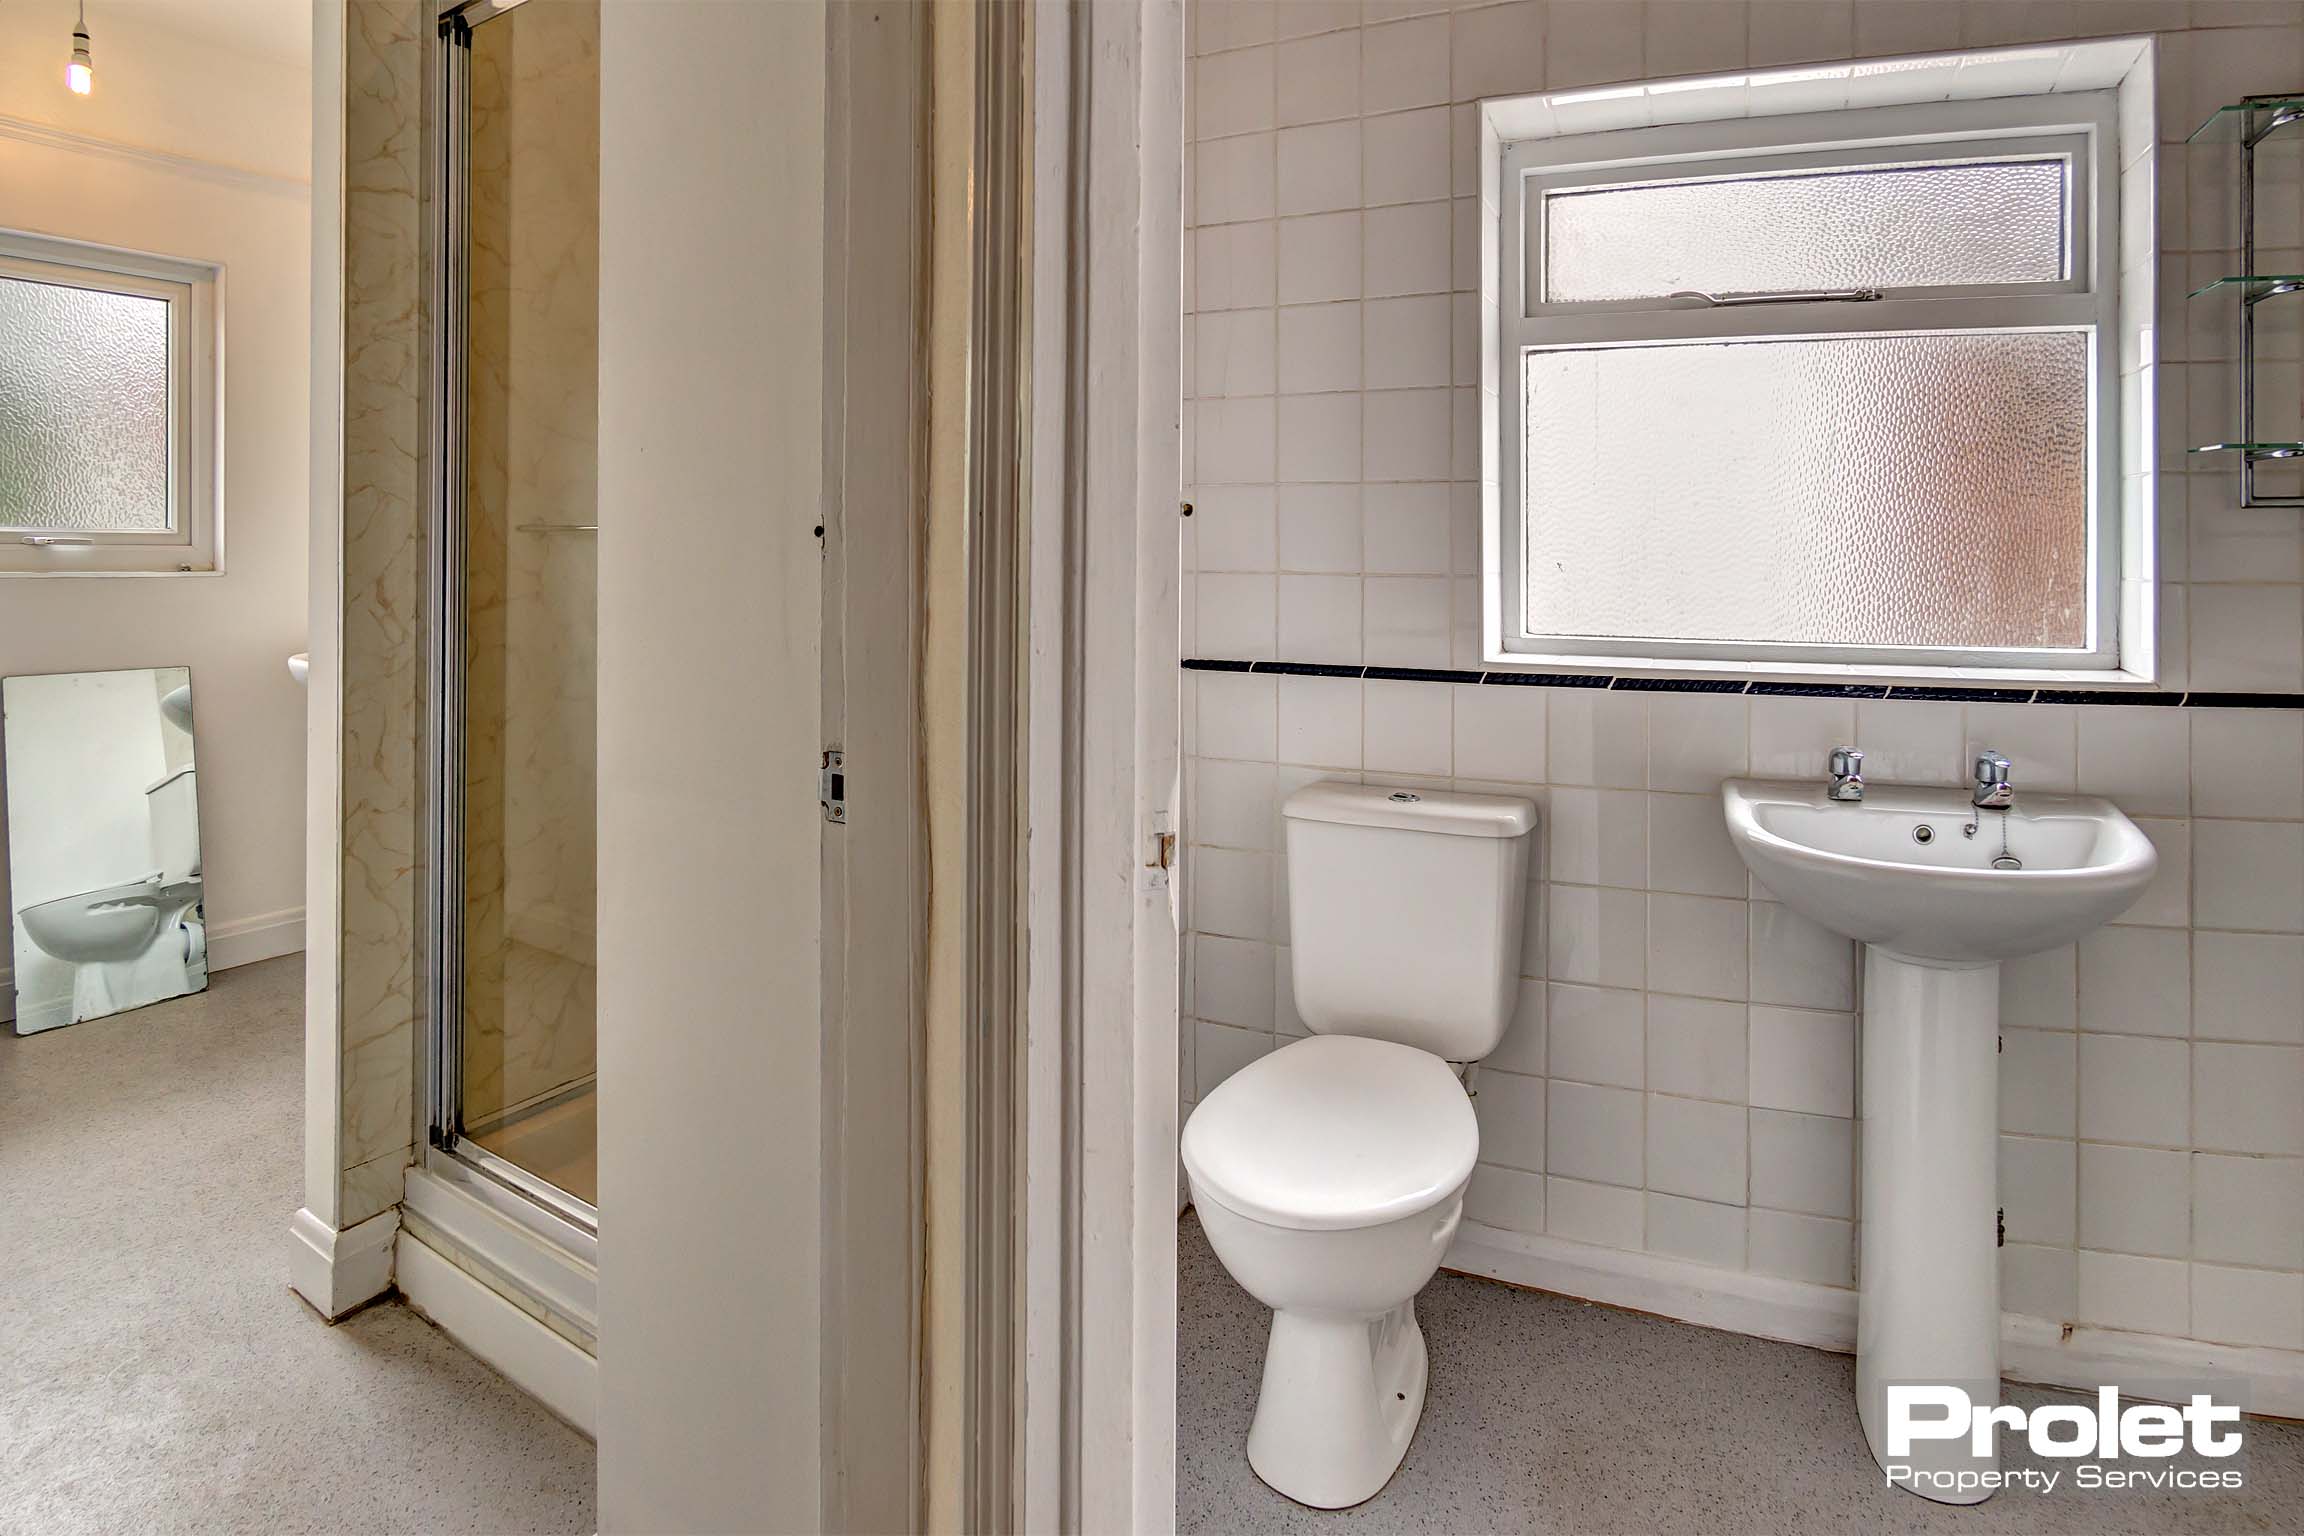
<point x="1099" y="1276"/>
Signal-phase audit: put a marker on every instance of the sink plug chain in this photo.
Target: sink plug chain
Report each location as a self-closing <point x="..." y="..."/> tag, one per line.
<point x="2006" y="859"/>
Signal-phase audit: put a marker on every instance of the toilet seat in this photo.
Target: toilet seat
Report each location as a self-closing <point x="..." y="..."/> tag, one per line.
<point x="1333" y="1132"/>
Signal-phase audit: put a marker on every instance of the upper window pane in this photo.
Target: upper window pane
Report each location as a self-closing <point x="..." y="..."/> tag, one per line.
<point x="1906" y="490"/>
<point x="1880" y="226"/>
<point x="83" y="410"/>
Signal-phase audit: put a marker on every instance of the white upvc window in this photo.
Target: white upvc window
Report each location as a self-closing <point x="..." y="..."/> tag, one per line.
<point x="1812" y="393"/>
<point x="110" y="453"/>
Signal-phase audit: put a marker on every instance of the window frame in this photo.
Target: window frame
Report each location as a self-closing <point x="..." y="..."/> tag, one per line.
<point x="2080" y="125"/>
<point x="193" y="292"/>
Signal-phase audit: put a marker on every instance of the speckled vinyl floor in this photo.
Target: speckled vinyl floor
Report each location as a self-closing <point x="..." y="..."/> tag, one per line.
<point x="156" y="1374"/>
<point x="1552" y="1415"/>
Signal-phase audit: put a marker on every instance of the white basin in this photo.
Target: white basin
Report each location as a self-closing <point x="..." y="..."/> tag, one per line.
<point x="114" y="923"/>
<point x="1858" y="868"/>
<point x="1940" y="893"/>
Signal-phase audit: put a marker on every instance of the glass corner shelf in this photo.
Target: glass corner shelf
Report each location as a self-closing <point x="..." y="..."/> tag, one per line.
<point x="2254" y="451"/>
<point x="2253" y="290"/>
<point x="2249" y="119"/>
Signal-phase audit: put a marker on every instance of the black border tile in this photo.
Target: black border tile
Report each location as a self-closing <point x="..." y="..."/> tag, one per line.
<point x="1309" y="668"/>
<point x="1680" y="685"/>
<point x="1926" y="694"/>
<point x="1547" y="679"/>
<point x="2244" y="701"/>
<point x="2103" y="696"/>
<point x="1419" y="675"/>
<point x="1211" y="664"/>
<point x="1819" y="690"/>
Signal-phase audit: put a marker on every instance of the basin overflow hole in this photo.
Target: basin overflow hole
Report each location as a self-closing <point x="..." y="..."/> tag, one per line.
<point x="1923" y="833"/>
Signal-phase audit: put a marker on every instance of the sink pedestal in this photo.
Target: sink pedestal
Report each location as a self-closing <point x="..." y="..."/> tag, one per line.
<point x="1928" y="1304"/>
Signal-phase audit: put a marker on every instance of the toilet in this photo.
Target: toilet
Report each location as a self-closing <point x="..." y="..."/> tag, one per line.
<point x="1330" y="1174"/>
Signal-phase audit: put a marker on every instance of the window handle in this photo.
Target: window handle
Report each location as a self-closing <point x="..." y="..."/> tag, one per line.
<point x="51" y="541"/>
<point x="1802" y="296"/>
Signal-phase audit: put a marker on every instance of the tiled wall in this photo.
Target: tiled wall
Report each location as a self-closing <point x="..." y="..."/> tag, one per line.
<point x="1682" y="1076"/>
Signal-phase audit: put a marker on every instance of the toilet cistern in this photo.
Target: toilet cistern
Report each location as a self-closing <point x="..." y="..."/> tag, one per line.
<point x="1937" y="915"/>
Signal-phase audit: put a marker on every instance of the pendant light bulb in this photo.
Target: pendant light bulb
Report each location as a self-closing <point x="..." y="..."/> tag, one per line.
<point x="80" y="73"/>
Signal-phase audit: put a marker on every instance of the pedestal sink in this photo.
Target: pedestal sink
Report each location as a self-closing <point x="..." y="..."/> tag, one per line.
<point x="1940" y="893"/>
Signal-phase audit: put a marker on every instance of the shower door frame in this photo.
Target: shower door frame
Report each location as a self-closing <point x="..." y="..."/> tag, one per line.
<point x="509" y="1189"/>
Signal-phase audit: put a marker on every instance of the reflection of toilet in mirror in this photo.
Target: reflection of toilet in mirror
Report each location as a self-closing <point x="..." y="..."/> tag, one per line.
<point x="104" y="844"/>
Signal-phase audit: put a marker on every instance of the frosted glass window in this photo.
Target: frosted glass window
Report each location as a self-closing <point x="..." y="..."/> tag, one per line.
<point x="1893" y="226"/>
<point x="1925" y="490"/>
<point x="84" y="410"/>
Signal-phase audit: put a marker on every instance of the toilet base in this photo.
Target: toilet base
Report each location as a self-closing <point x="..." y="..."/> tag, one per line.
<point x="1340" y="1402"/>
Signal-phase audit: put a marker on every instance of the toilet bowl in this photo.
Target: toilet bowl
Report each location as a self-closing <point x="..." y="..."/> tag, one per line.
<point x="1329" y="1177"/>
<point x="1330" y="1174"/>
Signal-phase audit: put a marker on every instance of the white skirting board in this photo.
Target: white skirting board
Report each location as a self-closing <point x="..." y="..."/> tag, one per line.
<point x="1824" y="1317"/>
<point x="338" y="1271"/>
<point x="531" y="1356"/>
<point x="243" y="941"/>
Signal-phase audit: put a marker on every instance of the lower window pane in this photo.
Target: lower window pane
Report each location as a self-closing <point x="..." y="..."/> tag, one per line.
<point x="1908" y="490"/>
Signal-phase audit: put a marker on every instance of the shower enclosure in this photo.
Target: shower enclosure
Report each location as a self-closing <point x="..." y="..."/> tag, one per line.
<point x="514" y="576"/>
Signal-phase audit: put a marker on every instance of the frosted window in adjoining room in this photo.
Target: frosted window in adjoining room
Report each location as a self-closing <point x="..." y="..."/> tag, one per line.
<point x="84" y="410"/>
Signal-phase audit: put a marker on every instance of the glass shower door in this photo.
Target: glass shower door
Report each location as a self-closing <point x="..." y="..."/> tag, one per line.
<point x="518" y="596"/>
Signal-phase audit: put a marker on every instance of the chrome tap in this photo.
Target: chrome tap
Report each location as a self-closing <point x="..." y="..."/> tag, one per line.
<point x="1847" y="774"/>
<point x="1993" y="791"/>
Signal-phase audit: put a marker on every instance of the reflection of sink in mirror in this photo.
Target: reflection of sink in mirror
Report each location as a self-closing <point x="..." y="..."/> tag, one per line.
<point x="104" y="843"/>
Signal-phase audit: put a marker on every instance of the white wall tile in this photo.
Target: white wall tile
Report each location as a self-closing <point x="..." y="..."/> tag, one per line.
<point x="1405" y="249"/>
<point x="1609" y="1216"/>
<point x="1318" y="169"/>
<point x="1237" y="715"/>
<point x="1525" y="1039"/>
<point x="1319" y="258"/>
<point x="1803" y="1060"/>
<point x="2248" y="986"/>
<point x="1319" y="352"/>
<point x="1697" y="1047"/>
<point x="2039" y="1085"/>
<point x="1319" y="78"/>
<point x="1910" y="742"/>
<point x="1500" y="732"/>
<point x="1803" y="1163"/>
<point x="1511" y="1113"/>
<point x="1319" y="440"/>
<point x="2248" y="1210"/>
<point x="1232" y="981"/>
<point x="1811" y="1248"/>
<point x="1233" y="529"/>
<point x="1319" y="721"/>
<point x="2248" y="1098"/>
<point x="1235" y="617"/>
<point x="1688" y="847"/>
<point x="1232" y="179"/>
<point x="1320" y="618"/>
<point x="2248" y="875"/>
<point x="1697" y="946"/>
<point x="1406" y="727"/>
<point x="1597" y="936"/>
<point x="1697" y="1148"/>
<point x="2247" y="762"/>
<point x="1320" y="528"/>
<point x="1407" y="341"/>
<point x="1233" y="441"/>
<point x="1598" y="736"/>
<point x="1497" y="50"/>
<point x="1506" y="1197"/>
<point x="2041" y="991"/>
<point x="2247" y="639"/>
<point x="2138" y="758"/>
<point x="1695" y="740"/>
<point x="1405" y="156"/>
<point x="1405" y="64"/>
<point x="2167" y="900"/>
<point x="2136" y="981"/>
<point x="2248" y="1306"/>
<point x="1593" y="1133"/>
<point x="2134" y="1089"/>
<point x="2040" y="741"/>
<point x="2039" y="1184"/>
<point x="1405" y="434"/>
<point x="1232" y="93"/>
<point x="2038" y="1282"/>
<point x="1405" y="530"/>
<point x="2144" y="1295"/>
<point x="1234" y="266"/>
<point x="1406" y="620"/>
<point x="1793" y="738"/>
<point x="1219" y="1051"/>
<point x="2135" y="1200"/>
<point x="1595" y="1035"/>
<point x="1599" y="837"/>
<point x="1798" y="962"/>
<point x="1697" y="1230"/>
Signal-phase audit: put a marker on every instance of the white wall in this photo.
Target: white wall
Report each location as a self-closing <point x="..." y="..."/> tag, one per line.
<point x="1682" y="1077"/>
<point x="234" y="630"/>
<point x="711" y="470"/>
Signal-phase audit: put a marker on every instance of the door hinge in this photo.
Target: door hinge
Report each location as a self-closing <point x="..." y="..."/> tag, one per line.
<point x="2002" y="1231"/>
<point x="832" y="786"/>
<point x="1159" y="851"/>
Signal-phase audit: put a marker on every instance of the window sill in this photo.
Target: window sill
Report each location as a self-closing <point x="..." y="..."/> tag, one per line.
<point x="1825" y="673"/>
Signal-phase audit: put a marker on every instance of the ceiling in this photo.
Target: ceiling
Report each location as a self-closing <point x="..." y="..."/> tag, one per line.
<point x="273" y="29"/>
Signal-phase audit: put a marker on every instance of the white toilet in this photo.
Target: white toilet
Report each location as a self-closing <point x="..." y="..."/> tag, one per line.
<point x="1330" y="1175"/>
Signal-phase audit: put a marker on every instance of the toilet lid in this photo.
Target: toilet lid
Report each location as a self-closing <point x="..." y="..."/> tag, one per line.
<point x="1334" y="1131"/>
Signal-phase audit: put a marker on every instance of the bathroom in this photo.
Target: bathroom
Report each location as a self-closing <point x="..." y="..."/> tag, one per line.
<point x="999" y="766"/>
<point x="1670" y="1122"/>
